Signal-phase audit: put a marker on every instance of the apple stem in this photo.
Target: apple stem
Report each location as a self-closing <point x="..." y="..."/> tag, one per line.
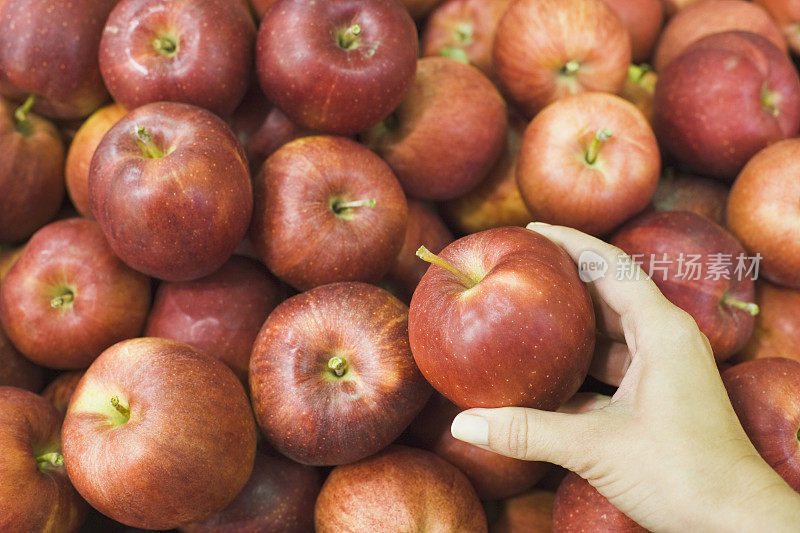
<point x="594" y="149"/>
<point x="463" y="33"/>
<point x="50" y="459"/>
<point x="21" y="115"/>
<point x="60" y="301"/>
<point x="145" y="141"/>
<point x="426" y="255"/>
<point x="124" y="411"/>
<point x="570" y="68"/>
<point x="165" y="45"/>
<point x="348" y="39"/>
<point x="748" y="307"/>
<point x="636" y="72"/>
<point x="337" y="365"/>
<point x="769" y="100"/>
<point x="339" y="207"/>
<point x="455" y="53"/>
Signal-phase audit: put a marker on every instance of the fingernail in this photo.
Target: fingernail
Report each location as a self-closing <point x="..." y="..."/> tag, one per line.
<point x="534" y="225"/>
<point x="470" y="428"/>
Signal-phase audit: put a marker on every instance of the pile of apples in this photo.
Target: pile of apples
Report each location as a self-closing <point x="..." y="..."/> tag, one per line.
<point x="262" y="282"/>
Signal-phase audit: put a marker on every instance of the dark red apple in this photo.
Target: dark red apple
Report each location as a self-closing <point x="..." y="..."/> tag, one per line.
<point x="220" y="314"/>
<point x="163" y="427"/>
<point x="262" y="7"/>
<point x="588" y="161"/>
<point x="777" y="329"/>
<point x="786" y="14"/>
<point x="59" y="391"/>
<point x="327" y="209"/>
<point x="68" y="297"/>
<point x="420" y="8"/>
<point x="579" y="507"/>
<point x="447" y="133"/>
<point x="642" y="19"/>
<point x="547" y="49"/>
<point x="336" y="66"/>
<point x="640" y="89"/>
<point x="699" y="267"/>
<point x="764" y="210"/>
<point x="198" y="52"/>
<point x="765" y="394"/>
<point x="31" y="171"/>
<point x="696" y="92"/>
<point x="170" y="187"/>
<point x="332" y="377"/>
<point x="513" y="301"/>
<point x="684" y="192"/>
<point x="35" y="491"/>
<point x="423" y="492"/>
<point x="16" y="370"/>
<point x="531" y="512"/>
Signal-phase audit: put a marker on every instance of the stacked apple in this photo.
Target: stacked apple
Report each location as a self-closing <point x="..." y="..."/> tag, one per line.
<point x="221" y="246"/>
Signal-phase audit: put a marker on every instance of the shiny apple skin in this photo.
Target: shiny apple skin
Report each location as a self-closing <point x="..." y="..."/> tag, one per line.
<point x="59" y="391"/>
<point x="685" y="192"/>
<point x="537" y="38"/>
<point x="531" y="512"/>
<point x="522" y="336"/>
<point x="186" y="451"/>
<point x="764" y="210"/>
<point x="81" y="150"/>
<point x="220" y="314"/>
<point x="31" y="174"/>
<point x="579" y="507"/>
<point x="450" y="130"/>
<point x="560" y="186"/>
<point x="643" y="20"/>
<point x="425" y="492"/>
<point x="308" y="413"/>
<point x="178" y="217"/>
<point x="786" y="14"/>
<point x="295" y="228"/>
<point x="777" y="329"/>
<point x="707" y="17"/>
<point x="765" y="394"/>
<point x="33" y="498"/>
<point x="50" y="49"/>
<point x="323" y="86"/>
<point x="110" y="299"/>
<point x="212" y="64"/>
<point x="664" y="237"/>
<point x="16" y="370"/>
<point x="696" y="92"/>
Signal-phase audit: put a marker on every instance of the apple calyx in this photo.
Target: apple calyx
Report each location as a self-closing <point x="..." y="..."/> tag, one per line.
<point x="342" y="208"/>
<point x="166" y="45"/>
<point x="455" y="53"/>
<point x="747" y="307"/>
<point x="770" y="100"/>
<point x="22" y="124"/>
<point x="145" y="141"/>
<point x="121" y="409"/>
<point x="463" y="33"/>
<point x="338" y="365"/>
<point x="50" y="460"/>
<point x="600" y="137"/>
<point x="570" y="68"/>
<point x="426" y="255"/>
<point x="65" y="299"/>
<point x="347" y="39"/>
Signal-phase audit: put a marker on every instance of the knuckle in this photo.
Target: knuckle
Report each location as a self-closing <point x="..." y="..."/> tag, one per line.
<point x="515" y="434"/>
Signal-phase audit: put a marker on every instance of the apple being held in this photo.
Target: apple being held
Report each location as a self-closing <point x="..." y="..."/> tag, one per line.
<point x="777" y="329"/>
<point x="684" y="192"/>
<point x="642" y="19"/>
<point x="59" y="391"/>
<point x="579" y="507"/>
<point x="787" y="16"/>
<point x="531" y="512"/>
<point x="502" y="319"/>
<point x="16" y="370"/>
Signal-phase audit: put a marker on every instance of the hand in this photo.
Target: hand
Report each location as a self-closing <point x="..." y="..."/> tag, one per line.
<point x="667" y="449"/>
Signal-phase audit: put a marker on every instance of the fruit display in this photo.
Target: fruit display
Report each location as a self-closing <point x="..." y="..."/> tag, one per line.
<point x="257" y="255"/>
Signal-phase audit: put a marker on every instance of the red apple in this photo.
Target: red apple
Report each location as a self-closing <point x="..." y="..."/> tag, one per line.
<point x="59" y="391"/>
<point x="16" y="370"/>
<point x="765" y="394"/>
<point x="327" y="209"/>
<point x="261" y="7"/>
<point x="198" y="52"/>
<point x="169" y="185"/>
<point x="640" y="88"/>
<point x="777" y="329"/>
<point x="696" y="92"/>
<point x="35" y="492"/>
<point x="764" y="210"/>
<point x="683" y="192"/>
<point x="642" y="19"/>
<point x="448" y="132"/>
<point x="162" y="427"/>
<point x="513" y="301"/>
<point x="31" y="171"/>
<point x="420" y="8"/>
<point x="80" y="153"/>
<point x="61" y="314"/>
<point x="699" y="267"/>
<point x="707" y="17"/>
<point x="423" y="492"/>
<point x="547" y="49"/>
<point x="588" y="161"/>
<point x="786" y="14"/>
<point x="579" y="507"/>
<point x="336" y="66"/>
<point x="531" y="512"/>
<point x="220" y="314"/>
<point x="8" y="258"/>
<point x="671" y="7"/>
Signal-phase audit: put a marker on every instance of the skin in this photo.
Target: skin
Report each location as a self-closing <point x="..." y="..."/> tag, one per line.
<point x="562" y="182"/>
<point x="189" y="438"/>
<point x="325" y="80"/>
<point x="531" y="512"/>
<point x="532" y="50"/>
<point x="777" y="328"/>
<point x="763" y="211"/>
<point x="452" y="106"/>
<point x="176" y="217"/>
<point x="16" y="370"/>
<point x="579" y="507"/>
<point x="686" y="192"/>
<point x="31" y="173"/>
<point x="59" y="391"/>
<point x="305" y="409"/>
<point x="100" y="305"/>
<point x="424" y="492"/>
<point x="787" y="15"/>
<point x="643" y="20"/>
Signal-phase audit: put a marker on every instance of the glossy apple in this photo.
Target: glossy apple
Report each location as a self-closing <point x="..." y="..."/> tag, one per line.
<point x="765" y="394"/>
<point x="16" y="370"/>
<point x="35" y="492"/>
<point x="579" y="507"/>
<point x="547" y="49"/>
<point x="642" y="19"/>
<point x="220" y="314"/>
<point x="588" y="161"/>
<point x="764" y="209"/>
<point x="707" y="17"/>
<point x="164" y="425"/>
<point x="425" y="492"/>
<point x="699" y="267"/>
<point x="696" y="92"/>
<point x="684" y="192"/>
<point x="31" y="171"/>
<point x="514" y="301"/>
<point x="640" y="88"/>
<point x="61" y="314"/>
<point x="327" y="209"/>
<point x="80" y="153"/>
<point x="170" y="187"/>
<point x="531" y="512"/>
<point x="336" y="66"/>
<point x="447" y="133"/>
<point x="786" y="14"/>
<point x="59" y="391"/>
<point x="777" y="329"/>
